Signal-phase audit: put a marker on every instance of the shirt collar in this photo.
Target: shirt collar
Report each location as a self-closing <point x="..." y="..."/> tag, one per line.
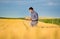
<point x="33" y="12"/>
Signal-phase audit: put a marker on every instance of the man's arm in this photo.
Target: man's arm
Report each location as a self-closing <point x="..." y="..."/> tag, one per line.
<point x="35" y="16"/>
<point x="28" y="19"/>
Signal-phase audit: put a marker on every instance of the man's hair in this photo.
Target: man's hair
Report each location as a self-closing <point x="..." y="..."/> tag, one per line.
<point x="30" y="8"/>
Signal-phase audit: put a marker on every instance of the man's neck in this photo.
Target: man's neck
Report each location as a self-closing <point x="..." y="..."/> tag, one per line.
<point x="33" y="11"/>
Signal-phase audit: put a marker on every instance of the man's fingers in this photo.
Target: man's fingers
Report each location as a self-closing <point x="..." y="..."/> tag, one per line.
<point x="28" y="19"/>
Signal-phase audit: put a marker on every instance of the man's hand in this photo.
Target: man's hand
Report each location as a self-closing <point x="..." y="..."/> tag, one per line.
<point x="29" y="19"/>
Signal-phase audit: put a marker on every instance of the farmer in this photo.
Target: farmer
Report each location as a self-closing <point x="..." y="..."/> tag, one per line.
<point x="34" y="17"/>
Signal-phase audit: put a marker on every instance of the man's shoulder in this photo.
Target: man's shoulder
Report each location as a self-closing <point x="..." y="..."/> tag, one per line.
<point x="36" y="12"/>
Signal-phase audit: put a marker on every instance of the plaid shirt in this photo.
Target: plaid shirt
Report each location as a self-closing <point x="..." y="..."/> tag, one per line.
<point x="34" y="15"/>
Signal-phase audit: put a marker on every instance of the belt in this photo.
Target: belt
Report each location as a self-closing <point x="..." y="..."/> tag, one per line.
<point x="34" y="20"/>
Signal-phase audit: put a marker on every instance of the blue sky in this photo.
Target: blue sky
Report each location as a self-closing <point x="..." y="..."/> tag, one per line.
<point x="19" y="8"/>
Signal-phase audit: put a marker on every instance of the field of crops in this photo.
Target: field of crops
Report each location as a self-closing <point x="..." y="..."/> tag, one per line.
<point x="21" y="29"/>
<point x="52" y="21"/>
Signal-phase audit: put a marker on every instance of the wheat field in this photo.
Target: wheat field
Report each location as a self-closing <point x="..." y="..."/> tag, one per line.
<point x="21" y="29"/>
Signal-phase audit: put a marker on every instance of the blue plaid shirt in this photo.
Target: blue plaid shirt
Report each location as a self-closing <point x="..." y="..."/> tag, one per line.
<point x="34" y="15"/>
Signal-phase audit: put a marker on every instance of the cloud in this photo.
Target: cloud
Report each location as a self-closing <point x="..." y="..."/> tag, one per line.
<point x="21" y="2"/>
<point x="53" y="3"/>
<point x="50" y="3"/>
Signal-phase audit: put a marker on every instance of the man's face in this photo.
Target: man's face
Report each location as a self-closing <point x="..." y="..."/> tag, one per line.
<point x="31" y="11"/>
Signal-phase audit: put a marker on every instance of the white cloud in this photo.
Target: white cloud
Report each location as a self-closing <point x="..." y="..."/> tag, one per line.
<point x="50" y="4"/>
<point x="23" y="2"/>
<point x="53" y="3"/>
<point x="44" y="3"/>
<point x="16" y="1"/>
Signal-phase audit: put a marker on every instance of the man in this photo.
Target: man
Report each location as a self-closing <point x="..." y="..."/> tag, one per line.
<point x="34" y="17"/>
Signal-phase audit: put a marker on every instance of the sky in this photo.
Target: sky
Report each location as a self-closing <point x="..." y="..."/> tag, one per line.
<point x="20" y="8"/>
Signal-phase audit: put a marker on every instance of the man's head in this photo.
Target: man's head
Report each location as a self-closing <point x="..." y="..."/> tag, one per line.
<point x="31" y="9"/>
